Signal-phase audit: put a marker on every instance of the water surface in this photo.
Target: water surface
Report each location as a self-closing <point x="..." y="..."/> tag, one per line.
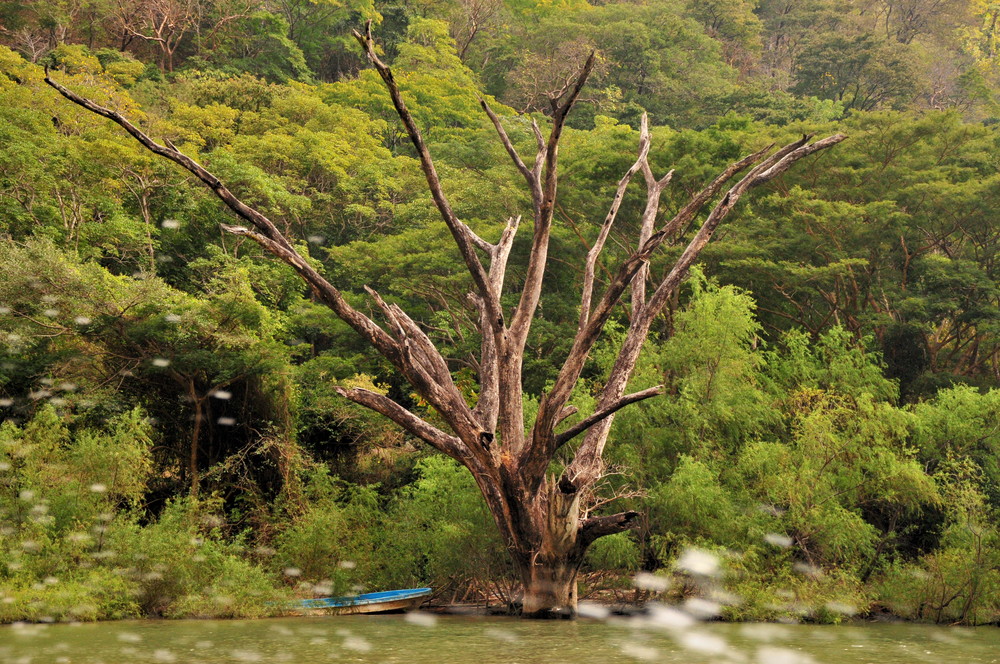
<point x="421" y="638"/>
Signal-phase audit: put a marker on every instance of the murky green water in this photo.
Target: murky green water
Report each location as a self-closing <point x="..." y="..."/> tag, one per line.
<point x="462" y="640"/>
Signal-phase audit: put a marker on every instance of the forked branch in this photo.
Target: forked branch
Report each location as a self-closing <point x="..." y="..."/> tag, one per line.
<point x="585" y="467"/>
<point x="459" y="230"/>
<point x="548" y="163"/>
<point x="654" y="188"/>
<point x="531" y="176"/>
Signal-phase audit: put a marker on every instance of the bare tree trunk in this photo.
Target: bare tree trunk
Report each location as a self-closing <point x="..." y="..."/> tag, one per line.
<point x="199" y="417"/>
<point x="539" y="517"/>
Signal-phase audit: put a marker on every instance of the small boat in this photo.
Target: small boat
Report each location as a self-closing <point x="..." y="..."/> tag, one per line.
<point x="383" y="602"/>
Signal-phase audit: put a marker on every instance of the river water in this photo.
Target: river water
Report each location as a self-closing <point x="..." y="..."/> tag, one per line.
<point x="423" y="638"/>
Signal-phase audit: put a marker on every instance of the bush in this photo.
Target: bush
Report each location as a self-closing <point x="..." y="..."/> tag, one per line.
<point x="98" y="594"/>
<point x="959" y="583"/>
<point x="332" y="545"/>
<point x="182" y="567"/>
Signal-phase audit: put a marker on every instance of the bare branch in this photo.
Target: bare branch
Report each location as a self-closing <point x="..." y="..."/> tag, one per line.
<point x="521" y="322"/>
<point x="588" y="333"/>
<point x="687" y="213"/>
<point x="586" y="423"/>
<point x="531" y="178"/>
<point x="478" y="241"/>
<point x="450" y="445"/>
<point x="501" y="253"/>
<point x="604" y="493"/>
<point x="459" y="231"/>
<point x="791" y="157"/>
<point x="767" y="170"/>
<point x="561" y="106"/>
<point x="489" y="403"/>
<point x="642" y="162"/>
<point x="387" y="311"/>
<point x="488" y="406"/>
<point x="566" y="412"/>
<point x="631" y="266"/>
<point x="601" y="526"/>
<point x="540" y="152"/>
<point x="654" y="188"/>
<point x="262" y="223"/>
<point x="586" y="465"/>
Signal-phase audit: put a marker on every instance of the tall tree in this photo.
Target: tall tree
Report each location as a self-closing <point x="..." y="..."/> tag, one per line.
<point x="163" y="23"/>
<point x="542" y="518"/>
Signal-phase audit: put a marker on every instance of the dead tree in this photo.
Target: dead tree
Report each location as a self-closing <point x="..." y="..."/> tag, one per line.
<point x="538" y="515"/>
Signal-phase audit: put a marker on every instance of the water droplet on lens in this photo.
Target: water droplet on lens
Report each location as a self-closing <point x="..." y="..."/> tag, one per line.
<point x="706" y="643"/>
<point x="807" y="569"/>
<point x="668" y="617"/>
<point x="505" y="635"/>
<point x="421" y="619"/>
<point x="593" y="610"/>
<point x="698" y="562"/>
<point x="841" y="608"/>
<point x="773" y="510"/>
<point x="702" y="609"/>
<point x="640" y="651"/>
<point x="778" y="540"/>
<point x="357" y="643"/>
<point x="651" y="582"/>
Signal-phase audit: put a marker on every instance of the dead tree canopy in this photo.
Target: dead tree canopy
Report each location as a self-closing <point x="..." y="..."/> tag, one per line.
<point x="539" y="516"/>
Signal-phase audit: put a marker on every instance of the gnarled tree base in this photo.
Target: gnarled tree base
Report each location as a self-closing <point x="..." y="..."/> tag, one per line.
<point x="550" y="591"/>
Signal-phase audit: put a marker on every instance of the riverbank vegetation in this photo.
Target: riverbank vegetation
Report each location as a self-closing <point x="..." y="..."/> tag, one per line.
<point x="172" y="442"/>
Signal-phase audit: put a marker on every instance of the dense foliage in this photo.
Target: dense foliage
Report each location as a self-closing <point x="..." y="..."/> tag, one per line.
<point x="172" y="443"/>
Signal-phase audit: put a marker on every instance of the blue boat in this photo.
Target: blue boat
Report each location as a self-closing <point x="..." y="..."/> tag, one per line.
<point x="383" y="602"/>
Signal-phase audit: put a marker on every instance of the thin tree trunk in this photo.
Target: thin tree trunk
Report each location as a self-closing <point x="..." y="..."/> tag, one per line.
<point x="199" y="417"/>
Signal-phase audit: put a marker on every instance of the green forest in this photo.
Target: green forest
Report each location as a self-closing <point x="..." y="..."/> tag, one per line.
<point x="173" y="441"/>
